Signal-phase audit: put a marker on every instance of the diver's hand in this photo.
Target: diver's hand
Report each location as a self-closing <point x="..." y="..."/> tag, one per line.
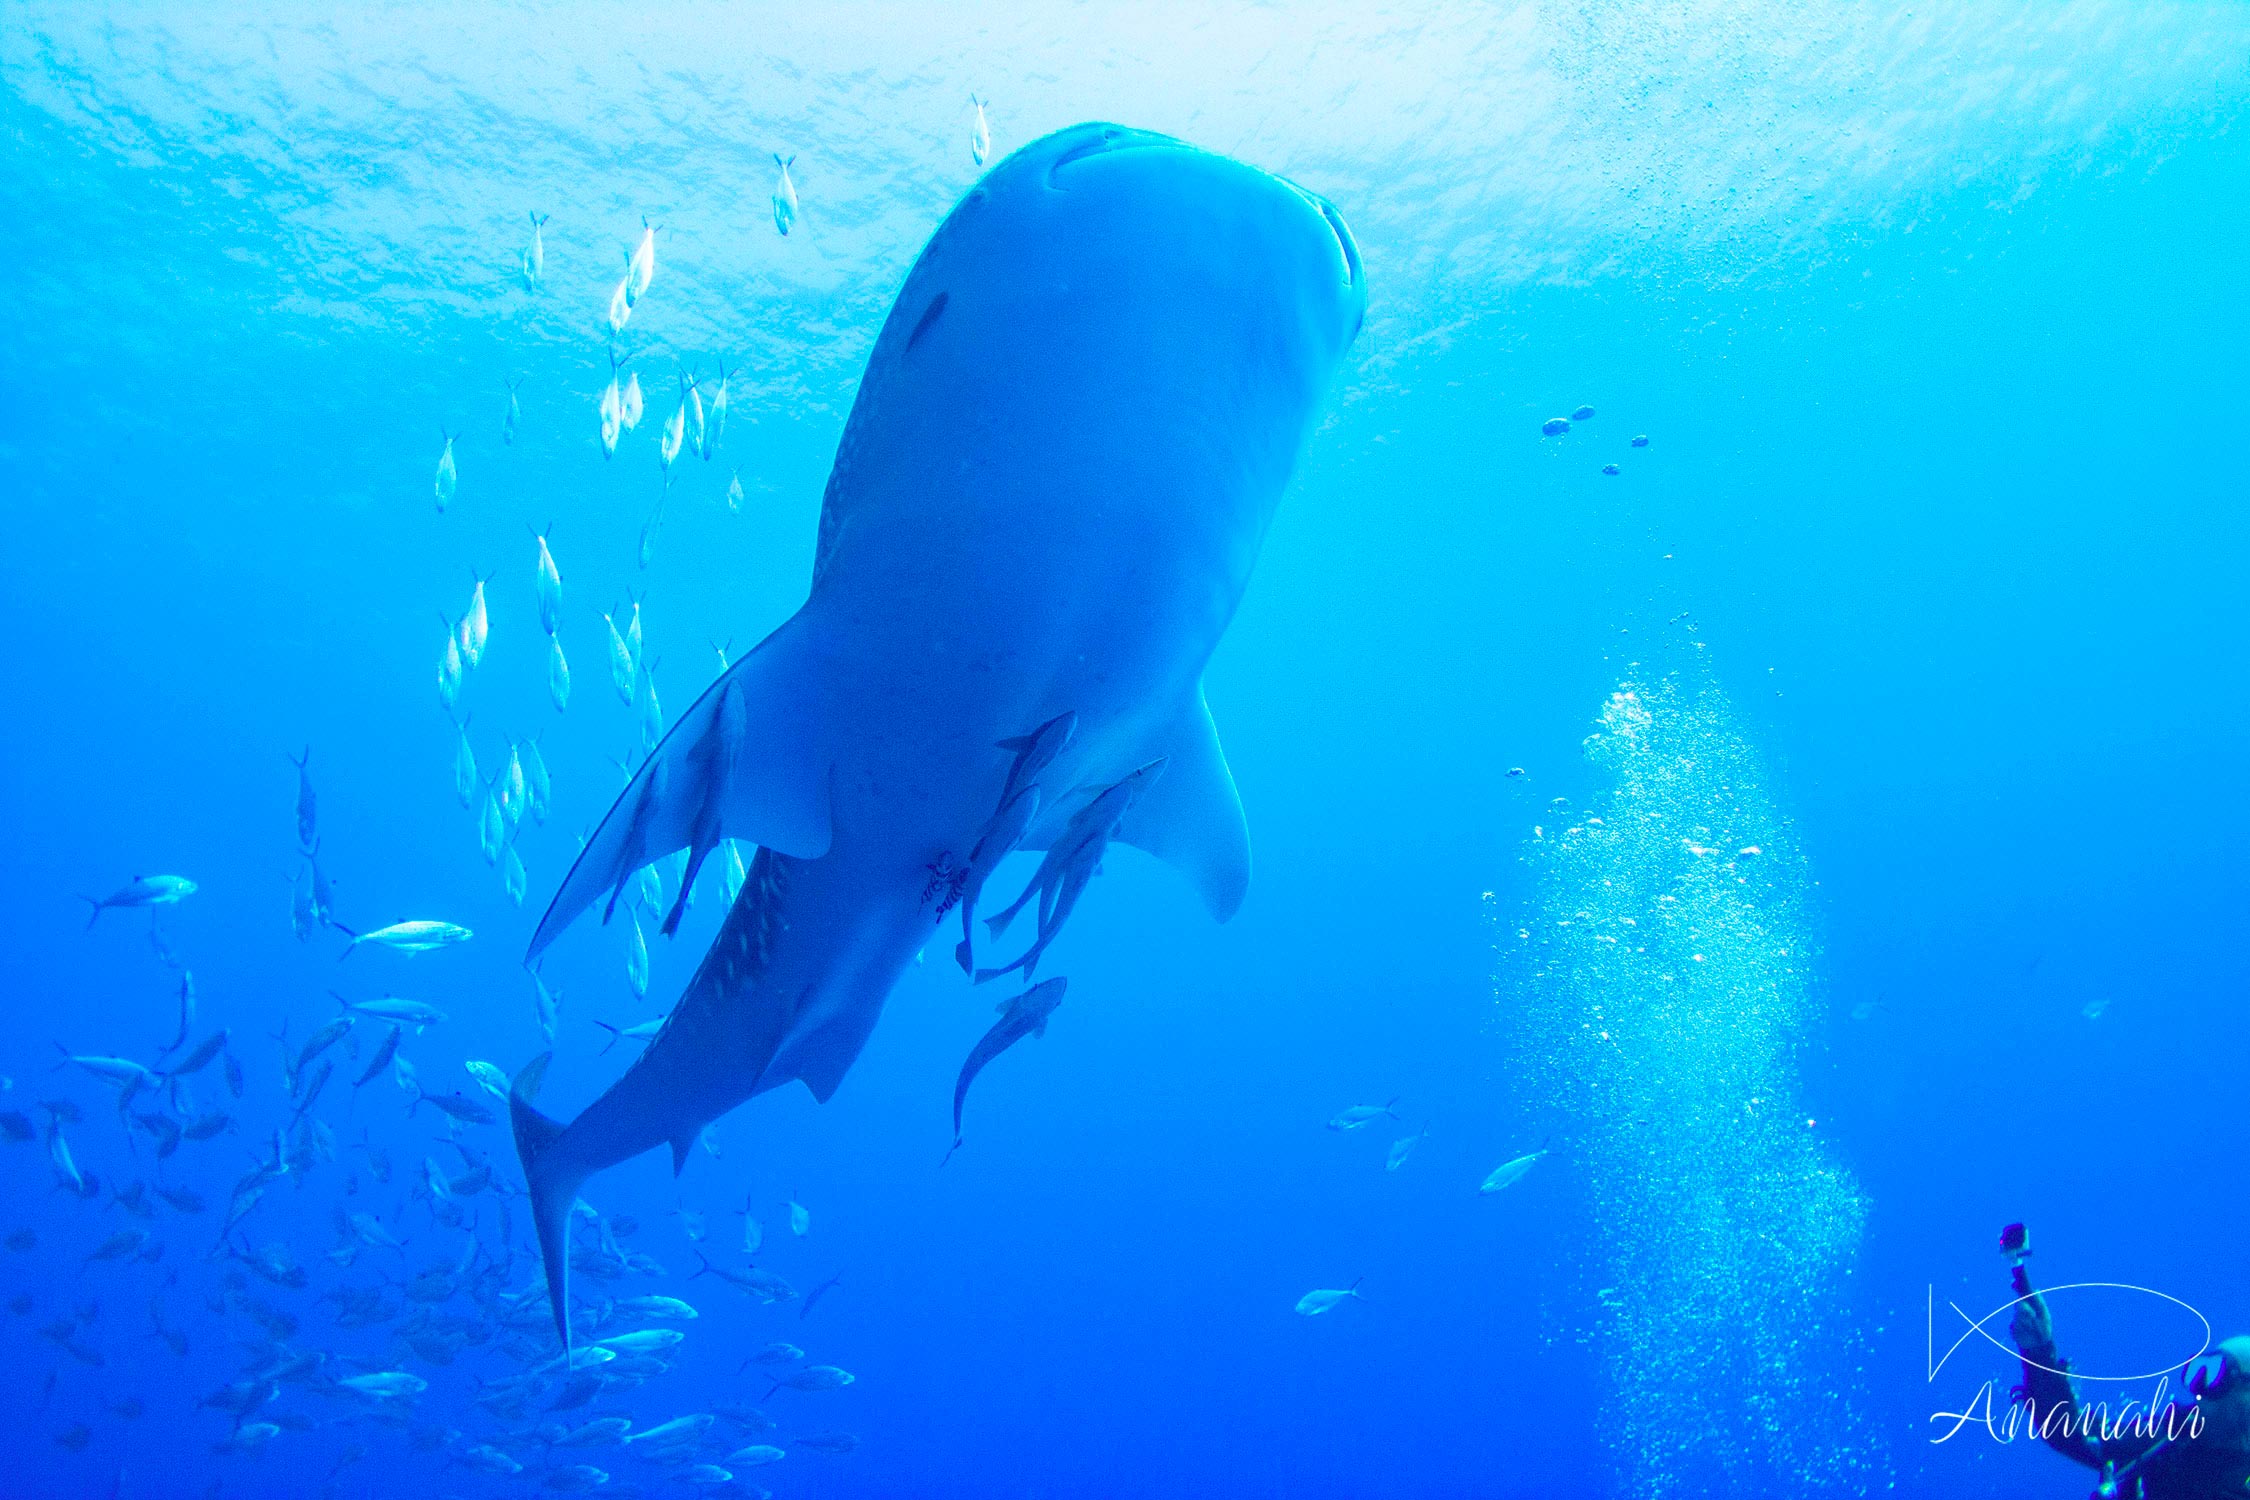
<point x="2033" y="1329"/>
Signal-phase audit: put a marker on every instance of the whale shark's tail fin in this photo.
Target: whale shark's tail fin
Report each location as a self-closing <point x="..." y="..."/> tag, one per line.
<point x="553" y="1187"/>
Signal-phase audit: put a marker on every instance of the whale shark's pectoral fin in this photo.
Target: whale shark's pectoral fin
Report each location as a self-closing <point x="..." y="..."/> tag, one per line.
<point x="1191" y="816"/>
<point x="748" y="761"/>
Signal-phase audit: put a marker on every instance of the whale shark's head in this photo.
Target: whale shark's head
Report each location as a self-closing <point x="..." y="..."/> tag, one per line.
<point x="1118" y="295"/>
<point x="1199" y="221"/>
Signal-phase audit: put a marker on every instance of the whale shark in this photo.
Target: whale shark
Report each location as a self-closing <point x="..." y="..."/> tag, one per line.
<point x="1068" y="442"/>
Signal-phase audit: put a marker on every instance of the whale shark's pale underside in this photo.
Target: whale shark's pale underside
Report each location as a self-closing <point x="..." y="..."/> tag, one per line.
<point x="1070" y="437"/>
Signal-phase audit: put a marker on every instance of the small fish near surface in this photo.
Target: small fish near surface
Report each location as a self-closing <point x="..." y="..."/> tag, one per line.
<point x="624" y="671"/>
<point x="465" y="778"/>
<point x="694" y="402"/>
<point x="641" y="261"/>
<point x="538" y="786"/>
<point x="550" y="585"/>
<point x="784" y="196"/>
<point x="448" y="476"/>
<point x="1020" y="1016"/>
<point x="535" y="254"/>
<point x="621" y="299"/>
<point x="558" y="675"/>
<point x="449" y="667"/>
<point x="716" y="428"/>
<point x="612" y="407"/>
<point x="980" y="133"/>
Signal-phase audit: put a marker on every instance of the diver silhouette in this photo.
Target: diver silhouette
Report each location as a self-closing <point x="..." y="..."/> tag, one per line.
<point x="2196" y="1446"/>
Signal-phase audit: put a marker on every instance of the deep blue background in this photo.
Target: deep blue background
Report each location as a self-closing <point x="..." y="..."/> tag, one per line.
<point x="1960" y="512"/>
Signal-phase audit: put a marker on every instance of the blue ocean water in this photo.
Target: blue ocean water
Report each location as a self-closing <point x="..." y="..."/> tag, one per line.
<point x="1925" y="586"/>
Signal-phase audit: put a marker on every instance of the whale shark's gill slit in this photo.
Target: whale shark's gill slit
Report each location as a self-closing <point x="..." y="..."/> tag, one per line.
<point x="1344" y="243"/>
<point x="1108" y="140"/>
<point x="928" y="320"/>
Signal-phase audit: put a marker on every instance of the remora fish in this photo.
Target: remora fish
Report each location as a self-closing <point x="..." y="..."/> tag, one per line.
<point x="1020" y="1016"/>
<point x="995" y="843"/>
<point x="994" y="468"/>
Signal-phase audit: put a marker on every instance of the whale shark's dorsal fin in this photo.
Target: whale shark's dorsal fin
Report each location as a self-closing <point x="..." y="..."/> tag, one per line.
<point x="1191" y="816"/>
<point x="748" y="761"/>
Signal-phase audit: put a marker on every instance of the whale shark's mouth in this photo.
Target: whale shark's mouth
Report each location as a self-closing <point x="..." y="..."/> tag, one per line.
<point x="1109" y="140"/>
